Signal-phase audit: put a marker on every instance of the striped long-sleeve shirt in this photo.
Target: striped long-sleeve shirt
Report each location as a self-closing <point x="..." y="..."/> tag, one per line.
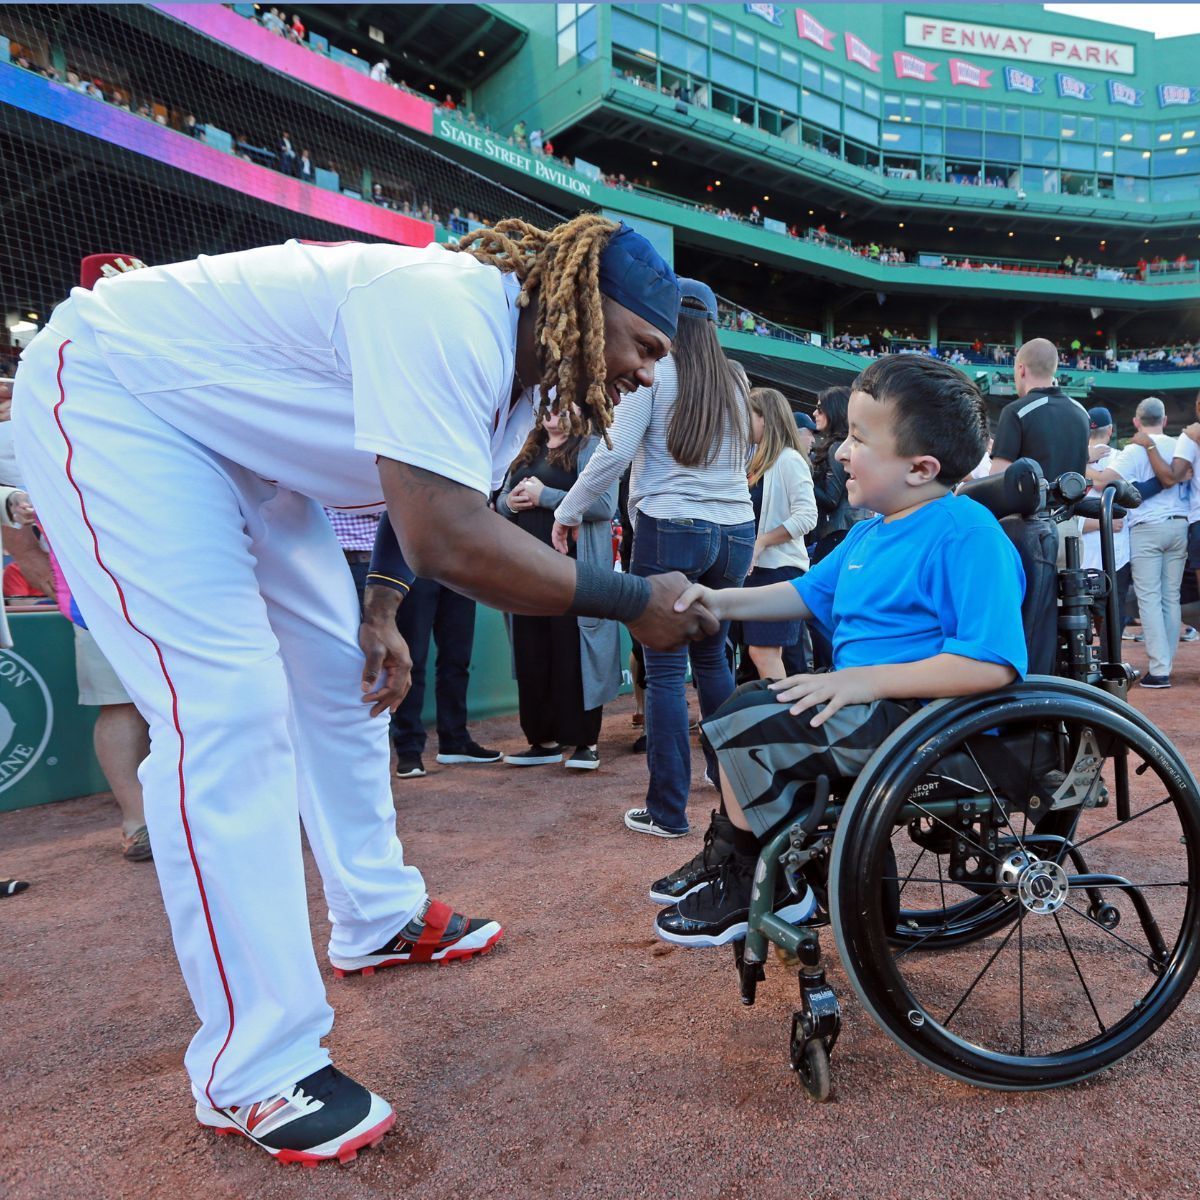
<point x="658" y="485"/>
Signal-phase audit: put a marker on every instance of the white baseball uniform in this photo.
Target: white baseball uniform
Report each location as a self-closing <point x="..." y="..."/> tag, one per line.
<point x="179" y="429"/>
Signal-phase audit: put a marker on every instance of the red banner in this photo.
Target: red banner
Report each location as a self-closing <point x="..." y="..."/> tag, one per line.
<point x="968" y="74"/>
<point x="857" y="51"/>
<point x="909" y="66"/>
<point x="808" y="27"/>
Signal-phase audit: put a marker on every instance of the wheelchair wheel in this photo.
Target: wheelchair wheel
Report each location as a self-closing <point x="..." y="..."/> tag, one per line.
<point x="1100" y="937"/>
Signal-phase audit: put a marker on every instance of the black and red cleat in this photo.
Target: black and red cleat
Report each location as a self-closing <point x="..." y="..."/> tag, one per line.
<point x="326" y="1117"/>
<point x="437" y="934"/>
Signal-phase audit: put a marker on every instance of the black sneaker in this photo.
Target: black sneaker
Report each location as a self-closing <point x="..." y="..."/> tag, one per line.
<point x="535" y="756"/>
<point x="472" y="752"/>
<point x="718" y="912"/>
<point x="583" y="759"/>
<point x="640" y="821"/>
<point x="639" y="746"/>
<point x="701" y="867"/>
<point x="1155" y="681"/>
<point x="409" y="766"/>
<point x="437" y="934"/>
<point x="327" y="1115"/>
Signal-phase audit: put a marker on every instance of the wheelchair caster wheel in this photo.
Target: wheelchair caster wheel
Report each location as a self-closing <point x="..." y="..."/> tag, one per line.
<point x="810" y="1060"/>
<point x="1106" y="915"/>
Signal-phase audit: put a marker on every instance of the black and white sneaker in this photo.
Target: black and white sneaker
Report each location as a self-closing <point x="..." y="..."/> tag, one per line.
<point x="409" y="766"/>
<point x="326" y="1116"/>
<point x="699" y="869"/>
<point x="640" y="821"/>
<point x="535" y="756"/>
<point x="584" y="758"/>
<point x="718" y="912"/>
<point x="437" y="934"/>
<point x="472" y="752"/>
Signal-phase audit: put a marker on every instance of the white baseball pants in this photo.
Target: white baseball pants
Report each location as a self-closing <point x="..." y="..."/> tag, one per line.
<point x="225" y="605"/>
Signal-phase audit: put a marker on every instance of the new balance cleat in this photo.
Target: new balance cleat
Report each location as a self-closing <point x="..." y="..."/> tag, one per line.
<point x="326" y="1117"/>
<point x="437" y="934"/>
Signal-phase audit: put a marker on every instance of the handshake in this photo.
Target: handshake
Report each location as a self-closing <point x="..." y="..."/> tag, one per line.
<point x="660" y="627"/>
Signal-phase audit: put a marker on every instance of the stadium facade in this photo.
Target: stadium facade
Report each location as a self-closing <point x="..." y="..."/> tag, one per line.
<point x="846" y="176"/>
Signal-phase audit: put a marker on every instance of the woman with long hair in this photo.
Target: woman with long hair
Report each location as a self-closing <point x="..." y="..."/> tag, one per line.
<point x="781" y="490"/>
<point x="686" y="437"/>
<point x="567" y="668"/>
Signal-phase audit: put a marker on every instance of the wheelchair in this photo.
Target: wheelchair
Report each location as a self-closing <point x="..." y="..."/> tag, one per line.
<point x="1013" y="880"/>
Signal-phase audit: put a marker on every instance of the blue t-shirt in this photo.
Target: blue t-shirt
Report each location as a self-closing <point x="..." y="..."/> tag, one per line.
<point x="943" y="580"/>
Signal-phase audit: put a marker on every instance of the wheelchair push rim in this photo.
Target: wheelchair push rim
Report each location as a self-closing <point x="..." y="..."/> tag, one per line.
<point x="1054" y="996"/>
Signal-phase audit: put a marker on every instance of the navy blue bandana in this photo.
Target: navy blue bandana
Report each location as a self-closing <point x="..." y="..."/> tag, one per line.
<point x="636" y="276"/>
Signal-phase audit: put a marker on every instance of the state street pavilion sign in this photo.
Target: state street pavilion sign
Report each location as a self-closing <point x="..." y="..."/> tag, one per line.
<point x="1020" y="45"/>
<point x="26" y="717"/>
<point x="498" y="149"/>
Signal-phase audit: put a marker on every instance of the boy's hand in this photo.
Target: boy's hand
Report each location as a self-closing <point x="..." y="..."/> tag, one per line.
<point x="852" y="685"/>
<point x="698" y="593"/>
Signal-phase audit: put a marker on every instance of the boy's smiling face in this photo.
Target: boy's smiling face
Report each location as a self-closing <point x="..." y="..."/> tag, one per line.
<point x="878" y="477"/>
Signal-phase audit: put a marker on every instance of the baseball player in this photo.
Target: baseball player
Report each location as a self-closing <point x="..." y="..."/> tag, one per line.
<point x="180" y="428"/>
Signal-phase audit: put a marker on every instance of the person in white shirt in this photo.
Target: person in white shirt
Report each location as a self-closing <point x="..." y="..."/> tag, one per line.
<point x="380" y="71"/>
<point x="781" y="489"/>
<point x="179" y="429"/>
<point x="1157" y="538"/>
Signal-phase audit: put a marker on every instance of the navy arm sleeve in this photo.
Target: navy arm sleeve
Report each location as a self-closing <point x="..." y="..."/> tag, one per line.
<point x="388" y="568"/>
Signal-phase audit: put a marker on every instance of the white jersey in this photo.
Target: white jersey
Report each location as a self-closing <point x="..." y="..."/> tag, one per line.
<point x="303" y="362"/>
<point x="1133" y="465"/>
<point x="1189" y="451"/>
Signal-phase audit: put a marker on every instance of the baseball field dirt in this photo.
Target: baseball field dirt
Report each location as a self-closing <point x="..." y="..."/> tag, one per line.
<point x="582" y="1058"/>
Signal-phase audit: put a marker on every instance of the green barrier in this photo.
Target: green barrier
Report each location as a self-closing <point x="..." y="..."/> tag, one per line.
<point x="45" y="736"/>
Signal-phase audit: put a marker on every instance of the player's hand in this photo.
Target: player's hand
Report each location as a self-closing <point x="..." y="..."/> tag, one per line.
<point x="561" y="537"/>
<point x="1142" y="438"/>
<point x="852" y="685"/>
<point x="1193" y="431"/>
<point x="697" y="593"/>
<point x="661" y="627"/>
<point x="387" y="664"/>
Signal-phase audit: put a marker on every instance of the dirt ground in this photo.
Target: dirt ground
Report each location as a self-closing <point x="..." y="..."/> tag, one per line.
<point x="582" y="1059"/>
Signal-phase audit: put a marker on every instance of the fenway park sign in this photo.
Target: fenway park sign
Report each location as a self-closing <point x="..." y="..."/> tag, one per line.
<point x="1024" y="45"/>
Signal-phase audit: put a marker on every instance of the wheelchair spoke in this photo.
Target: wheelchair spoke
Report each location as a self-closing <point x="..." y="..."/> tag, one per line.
<point x="1083" y="887"/>
<point x="996" y="799"/>
<point x="1021" y="972"/>
<point x="966" y="995"/>
<point x="1115" y="936"/>
<point x="1123" y="824"/>
<point x="910" y="874"/>
<point x="957" y="832"/>
<point x="973" y="886"/>
<point x="1075" y="964"/>
<point x="919" y="942"/>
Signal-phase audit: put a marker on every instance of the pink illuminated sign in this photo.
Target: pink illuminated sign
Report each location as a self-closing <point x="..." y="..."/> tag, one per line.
<point x="857" y="51"/>
<point x="909" y="66"/>
<point x="809" y="28"/>
<point x="304" y="64"/>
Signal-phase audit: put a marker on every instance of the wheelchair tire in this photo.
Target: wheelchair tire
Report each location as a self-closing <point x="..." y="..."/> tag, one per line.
<point x="1076" y="1029"/>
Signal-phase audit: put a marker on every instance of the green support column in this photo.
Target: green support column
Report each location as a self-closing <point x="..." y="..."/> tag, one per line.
<point x="933" y="329"/>
<point x="827" y="323"/>
<point x="1018" y="335"/>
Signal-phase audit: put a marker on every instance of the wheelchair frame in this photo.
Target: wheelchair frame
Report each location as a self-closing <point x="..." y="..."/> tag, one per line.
<point x="814" y="841"/>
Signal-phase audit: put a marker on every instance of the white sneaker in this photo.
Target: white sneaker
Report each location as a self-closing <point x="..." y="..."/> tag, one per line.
<point x="640" y="821"/>
<point x="327" y="1115"/>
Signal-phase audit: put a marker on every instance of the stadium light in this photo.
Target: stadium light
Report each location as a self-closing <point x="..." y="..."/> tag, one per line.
<point x="1058" y="237"/>
<point x="1164" y="137"/>
<point x="654" y="162"/>
<point x="1189" y="133"/>
<point x="1127" y="137"/>
<point x="1010" y="233"/>
<point x="482" y="53"/>
<point x="901" y="224"/>
<point x="949" y="228"/>
<point x="1181" y="149"/>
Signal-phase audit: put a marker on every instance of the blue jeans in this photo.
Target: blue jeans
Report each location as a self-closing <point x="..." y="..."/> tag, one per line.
<point x="717" y="556"/>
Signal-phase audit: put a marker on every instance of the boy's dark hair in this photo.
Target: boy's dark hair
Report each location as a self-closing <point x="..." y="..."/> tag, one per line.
<point x="938" y="411"/>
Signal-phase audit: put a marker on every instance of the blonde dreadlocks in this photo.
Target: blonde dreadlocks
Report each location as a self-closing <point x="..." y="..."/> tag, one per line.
<point x="562" y="266"/>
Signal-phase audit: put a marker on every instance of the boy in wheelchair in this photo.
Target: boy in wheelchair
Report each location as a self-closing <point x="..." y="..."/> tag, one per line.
<point x="921" y="602"/>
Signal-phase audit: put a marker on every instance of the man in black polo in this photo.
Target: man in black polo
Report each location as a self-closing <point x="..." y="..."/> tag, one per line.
<point x="1043" y="423"/>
